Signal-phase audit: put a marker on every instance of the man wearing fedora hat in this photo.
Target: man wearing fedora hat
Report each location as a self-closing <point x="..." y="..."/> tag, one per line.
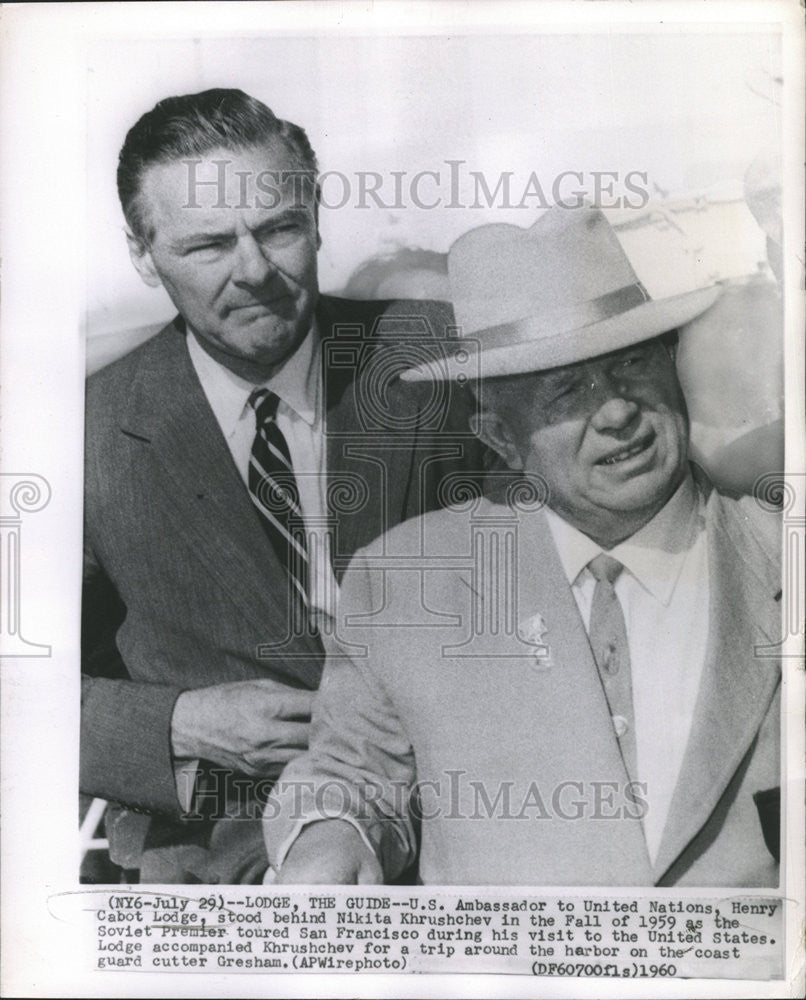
<point x="577" y="688"/>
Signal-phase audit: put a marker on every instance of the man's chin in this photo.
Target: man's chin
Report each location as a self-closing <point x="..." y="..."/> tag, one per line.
<point x="270" y="342"/>
<point x="644" y="490"/>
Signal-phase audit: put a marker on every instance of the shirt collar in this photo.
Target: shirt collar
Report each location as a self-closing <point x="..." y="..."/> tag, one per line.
<point x="297" y="383"/>
<point x="654" y="555"/>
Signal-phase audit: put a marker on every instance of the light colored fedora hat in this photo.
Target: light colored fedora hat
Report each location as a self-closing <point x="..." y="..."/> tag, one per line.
<point x="562" y="291"/>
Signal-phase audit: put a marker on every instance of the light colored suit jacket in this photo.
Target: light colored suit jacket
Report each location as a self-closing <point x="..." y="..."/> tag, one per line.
<point x="510" y="744"/>
<point x="182" y="586"/>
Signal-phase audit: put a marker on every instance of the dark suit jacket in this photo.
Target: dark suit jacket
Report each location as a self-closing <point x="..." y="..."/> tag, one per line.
<point x="182" y="587"/>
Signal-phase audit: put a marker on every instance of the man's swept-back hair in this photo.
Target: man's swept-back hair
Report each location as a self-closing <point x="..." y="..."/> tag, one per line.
<point x="195" y="124"/>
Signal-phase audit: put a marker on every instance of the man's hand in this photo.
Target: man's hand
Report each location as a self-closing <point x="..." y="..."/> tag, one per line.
<point x="330" y="852"/>
<point x="254" y="727"/>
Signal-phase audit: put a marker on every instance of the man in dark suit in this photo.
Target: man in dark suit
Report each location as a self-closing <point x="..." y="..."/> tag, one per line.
<point x="233" y="464"/>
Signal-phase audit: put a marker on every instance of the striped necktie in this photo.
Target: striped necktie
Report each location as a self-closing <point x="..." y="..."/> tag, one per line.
<point x="608" y="639"/>
<point x="274" y="492"/>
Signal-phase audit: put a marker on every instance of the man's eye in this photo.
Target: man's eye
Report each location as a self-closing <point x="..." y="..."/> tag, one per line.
<point x="567" y="391"/>
<point x="211" y="245"/>
<point x="633" y="360"/>
<point x="285" y="229"/>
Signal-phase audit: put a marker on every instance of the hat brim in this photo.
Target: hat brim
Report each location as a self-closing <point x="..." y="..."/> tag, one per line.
<point x="472" y="360"/>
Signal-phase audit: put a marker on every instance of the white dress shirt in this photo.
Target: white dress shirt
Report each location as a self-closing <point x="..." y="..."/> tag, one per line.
<point x="301" y="418"/>
<point x="664" y="594"/>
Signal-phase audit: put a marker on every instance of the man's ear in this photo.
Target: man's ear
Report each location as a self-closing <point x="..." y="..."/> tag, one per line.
<point x="141" y="258"/>
<point x="671" y="341"/>
<point x="494" y="431"/>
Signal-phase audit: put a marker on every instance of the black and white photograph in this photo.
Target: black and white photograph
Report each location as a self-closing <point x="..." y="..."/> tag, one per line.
<point x="402" y="499"/>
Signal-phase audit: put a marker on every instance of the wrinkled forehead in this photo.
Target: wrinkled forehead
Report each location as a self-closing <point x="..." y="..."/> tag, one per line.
<point x="252" y="181"/>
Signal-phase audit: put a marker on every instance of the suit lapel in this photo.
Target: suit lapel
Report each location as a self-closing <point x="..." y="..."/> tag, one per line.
<point x="572" y="700"/>
<point x="203" y="490"/>
<point x="736" y="687"/>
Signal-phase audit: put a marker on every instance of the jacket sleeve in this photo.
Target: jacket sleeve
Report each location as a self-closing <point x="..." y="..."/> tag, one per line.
<point x="360" y="764"/>
<point x="125" y="725"/>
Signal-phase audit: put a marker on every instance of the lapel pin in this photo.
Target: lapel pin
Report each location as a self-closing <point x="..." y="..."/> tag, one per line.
<point x="533" y="630"/>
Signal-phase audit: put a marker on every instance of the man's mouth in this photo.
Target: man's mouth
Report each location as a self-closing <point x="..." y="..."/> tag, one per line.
<point x="267" y="305"/>
<point x="625" y="454"/>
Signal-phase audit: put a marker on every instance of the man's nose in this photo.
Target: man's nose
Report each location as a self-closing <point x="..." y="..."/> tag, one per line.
<point x="616" y="409"/>
<point x="252" y="267"/>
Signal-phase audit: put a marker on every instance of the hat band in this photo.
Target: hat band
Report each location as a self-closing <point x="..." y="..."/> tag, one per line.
<point x="567" y="318"/>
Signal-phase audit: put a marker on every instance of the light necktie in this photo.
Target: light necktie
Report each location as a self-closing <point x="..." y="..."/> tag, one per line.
<point x="608" y="639"/>
<point x="274" y="492"/>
